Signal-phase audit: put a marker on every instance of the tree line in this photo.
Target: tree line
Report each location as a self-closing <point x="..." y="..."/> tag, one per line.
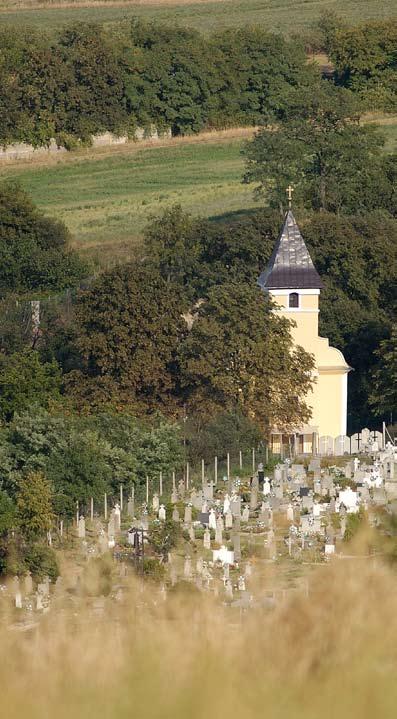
<point x="88" y="80"/>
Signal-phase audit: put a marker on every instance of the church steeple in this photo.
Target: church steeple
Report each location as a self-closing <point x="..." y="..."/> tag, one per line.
<point x="290" y="266"/>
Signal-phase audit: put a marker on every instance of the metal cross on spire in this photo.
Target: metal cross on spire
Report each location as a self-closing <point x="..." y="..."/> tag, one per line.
<point x="289" y="192"/>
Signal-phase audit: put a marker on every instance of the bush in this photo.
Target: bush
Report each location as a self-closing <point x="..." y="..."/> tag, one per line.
<point x="41" y="561"/>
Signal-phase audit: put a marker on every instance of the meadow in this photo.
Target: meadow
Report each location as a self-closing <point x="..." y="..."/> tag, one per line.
<point x="328" y="653"/>
<point x="106" y="197"/>
<point x="283" y="16"/>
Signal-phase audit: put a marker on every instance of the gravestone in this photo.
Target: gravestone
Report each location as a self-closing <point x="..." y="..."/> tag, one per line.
<point x="117" y="518"/>
<point x="290" y="513"/>
<point x="207" y="539"/>
<point x="229" y="589"/>
<point x="131" y="507"/>
<point x="307" y="503"/>
<point x="188" y="514"/>
<point x="187" y="568"/>
<point x="226" y="504"/>
<point x="155" y="503"/>
<point x="278" y="492"/>
<point x="246" y="514"/>
<point x="28" y="583"/>
<point x="212" y="519"/>
<point x="162" y="513"/>
<point x="314" y="464"/>
<point x="241" y="583"/>
<point x="208" y="491"/>
<point x="219" y="530"/>
<point x="236" y="545"/>
<point x="266" y="486"/>
<point x="228" y="520"/>
<point x="175" y="514"/>
<point x="235" y="505"/>
<point x="81" y="528"/>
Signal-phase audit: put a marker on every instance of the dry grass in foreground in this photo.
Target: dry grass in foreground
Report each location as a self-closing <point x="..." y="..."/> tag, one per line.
<point x="331" y="654"/>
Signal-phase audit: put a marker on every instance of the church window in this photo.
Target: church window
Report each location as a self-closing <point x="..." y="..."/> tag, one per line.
<point x="294" y="299"/>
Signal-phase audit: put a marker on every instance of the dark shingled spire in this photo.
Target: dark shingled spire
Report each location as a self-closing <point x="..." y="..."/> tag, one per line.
<point x="290" y="266"/>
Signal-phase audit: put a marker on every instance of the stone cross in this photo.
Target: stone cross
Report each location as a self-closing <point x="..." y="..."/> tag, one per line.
<point x="155" y="503"/>
<point x="207" y="539"/>
<point x="81" y="528"/>
<point x="117" y="518"/>
<point x="219" y="530"/>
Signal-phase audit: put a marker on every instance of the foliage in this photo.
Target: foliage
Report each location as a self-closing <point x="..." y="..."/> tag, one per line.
<point x="365" y="61"/>
<point x="34" y="249"/>
<point x="129" y="327"/>
<point x="316" y="142"/>
<point x="384" y="389"/>
<point x="239" y="356"/>
<point x="34" y="511"/>
<point x="41" y="561"/>
<point x="153" y="569"/>
<point x="7" y="513"/>
<point x="355" y="522"/>
<point x="25" y="381"/>
<point x="163" y="536"/>
<point x="213" y="437"/>
<point x="84" y="457"/>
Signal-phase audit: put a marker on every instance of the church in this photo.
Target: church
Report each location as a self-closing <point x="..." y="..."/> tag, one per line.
<point x="294" y="284"/>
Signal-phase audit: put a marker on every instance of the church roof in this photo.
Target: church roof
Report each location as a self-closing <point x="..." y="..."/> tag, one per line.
<point x="290" y="266"/>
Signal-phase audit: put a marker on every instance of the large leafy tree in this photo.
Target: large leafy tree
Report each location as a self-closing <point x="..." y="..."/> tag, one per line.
<point x="129" y="326"/>
<point x="384" y="388"/>
<point x="34" y="249"/>
<point x="316" y="142"/>
<point x="364" y="57"/>
<point x="25" y="381"/>
<point x="34" y="509"/>
<point x="171" y="77"/>
<point x="257" y="68"/>
<point x="239" y="354"/>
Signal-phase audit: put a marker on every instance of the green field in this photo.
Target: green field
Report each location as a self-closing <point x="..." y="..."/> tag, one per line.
<point x="107" y="198"/>
<point x="283" y="16"/>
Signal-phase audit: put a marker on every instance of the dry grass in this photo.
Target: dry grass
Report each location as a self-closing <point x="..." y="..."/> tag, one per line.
<point x="331" y="654"/>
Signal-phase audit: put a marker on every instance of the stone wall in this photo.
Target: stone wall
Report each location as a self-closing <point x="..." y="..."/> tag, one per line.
<point x="24" y="151"/>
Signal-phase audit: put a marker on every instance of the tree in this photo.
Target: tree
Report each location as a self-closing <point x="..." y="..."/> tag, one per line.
<point x="129" y="326"/>
<point x="7" y="513"/>
<point x="95" y="99"/>
<point x="25" y="381"/>
<point x="239" y="354"/>
<point x="173" y="79"/>
<point x="383" y="395"/>
<point x="365" y="62"/>
<point x="213" y="437"/>
<point x="34" y="510"/>
<point x="34" y="249"/>
<point x="257" y="68"/>
<point x="316" y="142"/>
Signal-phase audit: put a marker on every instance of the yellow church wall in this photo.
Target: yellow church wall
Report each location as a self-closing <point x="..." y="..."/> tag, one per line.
<point x="328" y="403"/>
<point x="329" y="395"/>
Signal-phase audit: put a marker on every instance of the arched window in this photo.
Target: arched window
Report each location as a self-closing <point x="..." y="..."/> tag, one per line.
<point x="294" y="299"/>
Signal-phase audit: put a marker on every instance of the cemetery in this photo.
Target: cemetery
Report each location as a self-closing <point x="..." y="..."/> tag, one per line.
<point x="246" y="539"/>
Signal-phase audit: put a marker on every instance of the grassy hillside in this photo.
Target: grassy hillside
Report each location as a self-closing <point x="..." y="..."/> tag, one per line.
<point x="283" y="16"/>
<point x="106" y="197"/>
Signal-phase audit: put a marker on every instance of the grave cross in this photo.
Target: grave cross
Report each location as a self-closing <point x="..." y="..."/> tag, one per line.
<point x="289" y="192"/>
